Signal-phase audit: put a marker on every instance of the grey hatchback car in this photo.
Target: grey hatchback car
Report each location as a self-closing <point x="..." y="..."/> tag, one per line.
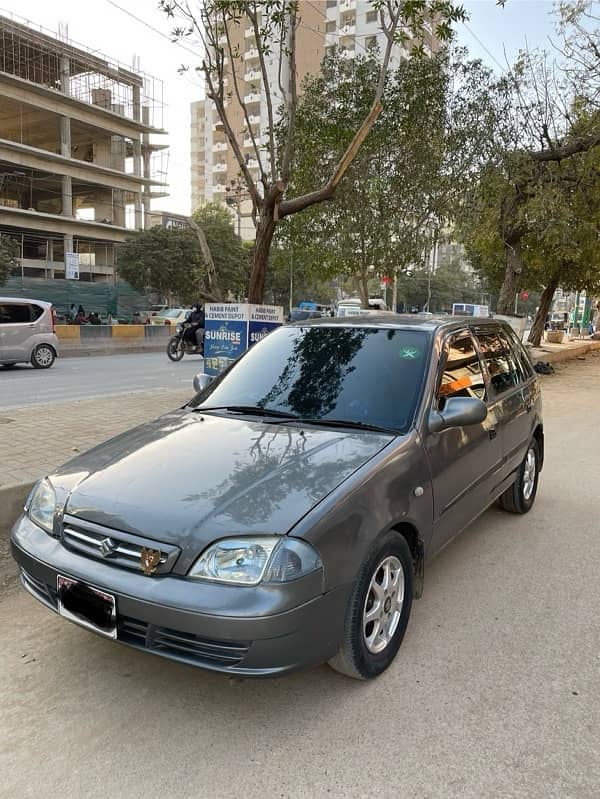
<point x="283" y="517"/>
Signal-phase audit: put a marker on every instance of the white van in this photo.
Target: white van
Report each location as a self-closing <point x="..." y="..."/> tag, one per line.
<point x="27" y="332"/>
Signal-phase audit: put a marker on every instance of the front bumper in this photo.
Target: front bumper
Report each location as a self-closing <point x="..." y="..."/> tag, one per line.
<point x="168" y="616"/>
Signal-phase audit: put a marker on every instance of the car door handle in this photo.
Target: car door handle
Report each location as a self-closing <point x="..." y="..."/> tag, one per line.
<point x="492" y="433"/>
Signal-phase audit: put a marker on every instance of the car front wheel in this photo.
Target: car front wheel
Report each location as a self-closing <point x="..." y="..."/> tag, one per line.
<point x="378" y="610"/>
<point x="519" y="498"/>
<point x="43" y="356"/>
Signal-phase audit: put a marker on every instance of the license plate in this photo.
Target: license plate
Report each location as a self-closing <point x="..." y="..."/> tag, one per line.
<point x="91" y="608"/>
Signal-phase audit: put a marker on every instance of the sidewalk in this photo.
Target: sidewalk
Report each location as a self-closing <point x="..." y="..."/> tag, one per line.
<point x="558" y="353"/>
<point x="34" y="441"/>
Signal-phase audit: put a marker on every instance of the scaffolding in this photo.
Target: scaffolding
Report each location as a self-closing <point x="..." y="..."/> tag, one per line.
<point x="30" y="52"/>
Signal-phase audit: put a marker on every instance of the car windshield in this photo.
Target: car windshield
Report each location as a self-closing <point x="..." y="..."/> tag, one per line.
<point x="352" y="374"/>
<point x="172" y="314"/>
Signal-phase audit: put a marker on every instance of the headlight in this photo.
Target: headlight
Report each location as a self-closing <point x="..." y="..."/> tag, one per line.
<point x="178" y="328"/>
<point x="249" y="561"/>
<point x="41" y="506"/>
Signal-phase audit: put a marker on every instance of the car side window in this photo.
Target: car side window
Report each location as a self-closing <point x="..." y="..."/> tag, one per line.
<point x="503" y="368"/>
<point x="14" y="313"/>
<point x="36" y="312"/>
<point x="462" y="374"/>
<point x="521" y="354"/>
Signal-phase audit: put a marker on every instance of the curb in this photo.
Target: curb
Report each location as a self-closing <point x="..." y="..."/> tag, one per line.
<point x="83" y="353"/>
<point x="568" y="354"/>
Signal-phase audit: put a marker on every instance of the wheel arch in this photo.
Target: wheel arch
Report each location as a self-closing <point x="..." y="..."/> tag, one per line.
<point x="417" y="548"/>
<point x="538" y="435"/>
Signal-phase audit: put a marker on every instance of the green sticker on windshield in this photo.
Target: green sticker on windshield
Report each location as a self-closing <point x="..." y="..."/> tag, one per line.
<point x="410" y="353"/>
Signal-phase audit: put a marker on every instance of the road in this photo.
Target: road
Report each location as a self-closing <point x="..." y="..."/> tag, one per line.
<point x="494" y="693"/>
<point x="94" y="376"/>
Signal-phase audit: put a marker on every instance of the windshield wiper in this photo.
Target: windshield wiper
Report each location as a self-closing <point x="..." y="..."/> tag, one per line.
<point x="348" y="423"/>
<point x="250" y="410"/>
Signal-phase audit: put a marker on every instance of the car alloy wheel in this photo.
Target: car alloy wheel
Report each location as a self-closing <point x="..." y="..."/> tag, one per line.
<point x="383" y="605"/>
<point x="520" y="496"/>
<point x="529" y="474"/>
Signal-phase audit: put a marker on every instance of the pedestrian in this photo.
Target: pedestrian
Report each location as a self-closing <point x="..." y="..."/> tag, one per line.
<point x="80" y="311"/>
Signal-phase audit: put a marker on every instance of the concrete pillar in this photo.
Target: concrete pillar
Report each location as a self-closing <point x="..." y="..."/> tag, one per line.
<point x="65" y="149"/>
<point x="137" y="103"/>
<point x="137" y="157"/>
<point x="50" y="255"/>
<point x="138" y="210"/>
<point x="146" y="198"/>
<point x="68" y="248"/>
<point x="67" y="196"/>
<point x="65" y="74"/>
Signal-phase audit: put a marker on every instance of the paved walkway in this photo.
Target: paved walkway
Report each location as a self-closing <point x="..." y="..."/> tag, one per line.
<point x="35" y="440"/>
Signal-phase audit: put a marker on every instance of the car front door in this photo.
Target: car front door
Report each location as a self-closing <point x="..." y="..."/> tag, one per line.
<point x="513" y="392"/>
<point x="16" y="328"/>
<point x="463" y="461"/>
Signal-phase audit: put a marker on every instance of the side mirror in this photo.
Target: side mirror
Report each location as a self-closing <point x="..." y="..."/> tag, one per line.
<point x="458" y="412"/>
<point x="201" y="381"/>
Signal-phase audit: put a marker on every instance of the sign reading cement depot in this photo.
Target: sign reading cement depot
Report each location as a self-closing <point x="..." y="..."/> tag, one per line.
<point x="232" y="328"/>
<point x="263" y="319"/>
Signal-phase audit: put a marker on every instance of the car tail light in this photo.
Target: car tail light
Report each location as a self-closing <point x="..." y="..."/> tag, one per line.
<point x="53" y="312"/>
<point x="167" y="322"/>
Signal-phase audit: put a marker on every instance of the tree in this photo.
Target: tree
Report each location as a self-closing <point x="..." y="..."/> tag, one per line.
<point x="8" y="257"/>
<point x="164" y="260"/>
<point x="274" y="24"/>
<point x="403" y="187"/>
<point x="230" y="258"/>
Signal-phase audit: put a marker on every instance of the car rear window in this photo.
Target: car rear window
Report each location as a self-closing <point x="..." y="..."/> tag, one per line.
<point x="36" y="312"/>
<point x="14" y="313"/>
<point x="503" y="368"/>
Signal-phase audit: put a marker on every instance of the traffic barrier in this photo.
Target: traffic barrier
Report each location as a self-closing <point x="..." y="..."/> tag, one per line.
<point x="106" y="339"/>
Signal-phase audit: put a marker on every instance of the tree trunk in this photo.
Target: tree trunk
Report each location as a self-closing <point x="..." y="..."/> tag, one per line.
<point x="537" y="329"/>
<point x="260" y="260"/>
<point x="363" y="288"/>
<point x="514" y="269"/>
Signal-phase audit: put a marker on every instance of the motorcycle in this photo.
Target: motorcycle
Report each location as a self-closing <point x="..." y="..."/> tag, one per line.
<point x="179" y="346"/>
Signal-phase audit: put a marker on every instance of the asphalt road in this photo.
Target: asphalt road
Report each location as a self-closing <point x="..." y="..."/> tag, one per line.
<point x="494" y="692"/>
<point x="94" y="376"/>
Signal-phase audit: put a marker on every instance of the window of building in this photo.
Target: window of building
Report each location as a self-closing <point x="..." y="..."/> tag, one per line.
<point x="331" y="3"/>
<point x="330" y="27"/>
<point x="330" y="50"/>
<point x="462" y="375"/>
<point x="370" y="41"/>
<point x="371" y="16"/>
<point x="504" y="371"/>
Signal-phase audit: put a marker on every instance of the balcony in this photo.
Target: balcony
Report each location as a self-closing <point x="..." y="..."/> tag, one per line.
<point x="253" y="76"/>
<point x="248" y="33"/>
<point x="222" y="39"/>
<point x="252" y="98"/>
<point x="253" y="119"/>
<point x="251" y="54"/>
<point x="347" y="5"/>
<point x="219" y="167"/>
<point x="349" y="29"/>
<point x="347" y="52"/>
<point x="218" y="188"/>
<point x="260" y="140"/>
<point x="252" y="163"/>
<point x="219" y="146"/>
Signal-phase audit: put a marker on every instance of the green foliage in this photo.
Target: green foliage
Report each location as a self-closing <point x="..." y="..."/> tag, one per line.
<point x="449" y="284"/>
<point x="231" y="258"/>
<point x="8" y="257"/>
<point x="165" y="260"/>
<point x="169" y="260"/>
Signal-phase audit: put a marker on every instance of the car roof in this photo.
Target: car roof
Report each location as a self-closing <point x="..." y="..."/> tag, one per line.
<point x="43" y="303"/>
<point x="389" y="319"/>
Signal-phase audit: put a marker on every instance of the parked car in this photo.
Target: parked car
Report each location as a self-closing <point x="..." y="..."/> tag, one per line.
<point x="27" y="332"/>
<point x="353" y="307"/>
<point x="302" y="314"/>
<point x="296" y="526"/>
<point x="170" y="316"/>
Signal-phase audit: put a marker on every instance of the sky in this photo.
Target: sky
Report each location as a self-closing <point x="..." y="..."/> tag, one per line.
<point x="101" y="26"/>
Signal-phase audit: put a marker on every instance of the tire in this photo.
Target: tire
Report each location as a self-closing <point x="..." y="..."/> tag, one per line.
<point x="519" y="498"/>
<point x="175" y="349"/>
<point x="365" y="654"/>
<point x="43" y="356"/>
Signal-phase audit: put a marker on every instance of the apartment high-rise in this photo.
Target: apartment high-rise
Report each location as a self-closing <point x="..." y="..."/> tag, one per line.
<point x="351" y="25"/>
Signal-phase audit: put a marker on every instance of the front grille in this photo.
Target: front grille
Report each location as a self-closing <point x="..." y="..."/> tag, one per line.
<point x="40" y="590"/>
<point x="114" y="546"/>
<point x="183" y="646"/>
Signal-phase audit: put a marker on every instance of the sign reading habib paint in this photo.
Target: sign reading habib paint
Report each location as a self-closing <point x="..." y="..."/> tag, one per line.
<point x="233" y="327"/>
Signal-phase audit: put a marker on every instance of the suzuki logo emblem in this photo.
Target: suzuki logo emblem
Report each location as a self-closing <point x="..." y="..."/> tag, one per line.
<point x="107" y="547"/>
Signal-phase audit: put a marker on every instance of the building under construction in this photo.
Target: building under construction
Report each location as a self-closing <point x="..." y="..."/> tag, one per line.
<point x="78" y="166"/>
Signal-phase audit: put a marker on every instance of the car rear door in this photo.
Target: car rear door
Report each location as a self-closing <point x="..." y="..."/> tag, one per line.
<point x="16" y="327"/>
<point x="463" y="461"/>
<point x="511" y="392"/>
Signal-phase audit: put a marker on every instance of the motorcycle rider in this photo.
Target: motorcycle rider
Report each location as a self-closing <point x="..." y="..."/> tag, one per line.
<point x="195" y="330"/>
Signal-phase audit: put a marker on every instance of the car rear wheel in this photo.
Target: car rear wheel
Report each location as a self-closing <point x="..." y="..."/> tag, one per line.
<point x="378" y="610"/>
<point x="43" y="356"/>
<point x="519" y="498"/>
<point x="176" y="349"/>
